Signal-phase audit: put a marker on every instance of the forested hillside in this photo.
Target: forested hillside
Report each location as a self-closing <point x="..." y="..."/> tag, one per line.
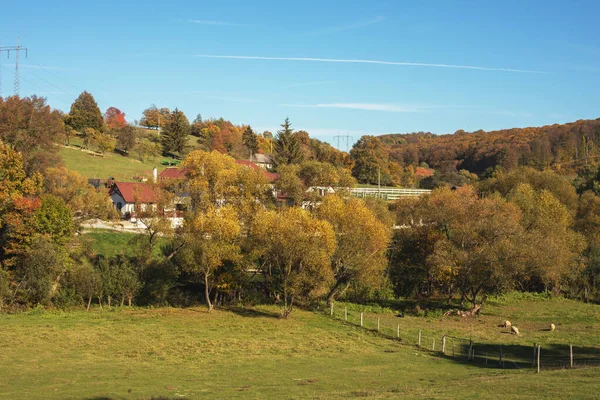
<point x="557" y="146"/>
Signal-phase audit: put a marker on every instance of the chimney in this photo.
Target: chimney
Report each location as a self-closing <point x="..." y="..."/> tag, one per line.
<point x="155" y="175"/>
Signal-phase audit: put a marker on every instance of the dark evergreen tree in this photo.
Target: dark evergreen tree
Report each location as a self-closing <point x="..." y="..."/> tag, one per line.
<point x="85" y="113"/>
<point x="250" y="140"/>
<point x="286" y="149"/>
<point x="174" y="135"/>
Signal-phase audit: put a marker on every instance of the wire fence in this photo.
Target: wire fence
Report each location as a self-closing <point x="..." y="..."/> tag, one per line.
<point x="485" y="355"/>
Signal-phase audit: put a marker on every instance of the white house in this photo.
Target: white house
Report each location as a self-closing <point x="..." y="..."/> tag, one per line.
<point x="126" y="195"/>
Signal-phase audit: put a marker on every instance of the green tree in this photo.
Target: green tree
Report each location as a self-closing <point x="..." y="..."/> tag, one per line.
<point x="250" y="140"/>
<point x="174" y="136"/>
<point x="126" y="138"/>
<point x="85" y="113"/>
<point x="286" y="149"/>
<point x="55" y="219"/>
<point x="42" y="267"/>
<point x="85" y="280"/>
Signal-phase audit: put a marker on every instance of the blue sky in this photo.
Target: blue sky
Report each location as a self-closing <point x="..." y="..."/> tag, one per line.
<point x="360" y="67"/>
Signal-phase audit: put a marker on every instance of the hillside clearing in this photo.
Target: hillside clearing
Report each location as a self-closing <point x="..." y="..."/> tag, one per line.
<point x="122" y="168"/>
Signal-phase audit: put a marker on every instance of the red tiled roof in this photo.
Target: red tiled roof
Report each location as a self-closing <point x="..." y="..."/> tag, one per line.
<point x="133" y="192"/>
<point x="424" y="171"/>
<point x="269" y="175"/>
<point x="172" y="173"/>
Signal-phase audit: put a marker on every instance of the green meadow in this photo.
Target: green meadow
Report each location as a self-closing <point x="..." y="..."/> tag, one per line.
<point x="249" y="353"/>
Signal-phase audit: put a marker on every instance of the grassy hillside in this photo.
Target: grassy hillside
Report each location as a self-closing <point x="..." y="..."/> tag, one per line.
<point x="249" y="353"/>
<point x="122" y="168"/>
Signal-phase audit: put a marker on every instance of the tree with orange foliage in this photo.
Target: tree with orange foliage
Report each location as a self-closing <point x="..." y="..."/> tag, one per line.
<point x="114" y="118"/>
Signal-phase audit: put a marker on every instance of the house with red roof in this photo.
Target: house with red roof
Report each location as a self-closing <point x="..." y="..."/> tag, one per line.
<point x="126" y="195"/>
<point x="172" y="173"/>
<point x="270" y="176"/>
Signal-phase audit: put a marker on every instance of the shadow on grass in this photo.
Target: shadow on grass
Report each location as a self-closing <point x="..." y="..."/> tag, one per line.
<point x="552" y="356"/>
<point x="143" y="398"/>
<point x="251" y="312"/>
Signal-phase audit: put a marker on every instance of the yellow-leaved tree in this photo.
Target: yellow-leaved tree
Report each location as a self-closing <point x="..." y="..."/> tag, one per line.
<point x="211" y="238"/>
<point x="362" y="240"/>
<point x="294" y="250"/>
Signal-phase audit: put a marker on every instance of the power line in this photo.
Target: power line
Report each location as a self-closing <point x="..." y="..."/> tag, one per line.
<point x="58" y="76"/>
<point x="348" y="140"/>
<point x="16" y="49"/>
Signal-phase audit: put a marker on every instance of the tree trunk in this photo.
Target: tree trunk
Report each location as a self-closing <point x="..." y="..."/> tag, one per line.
<point x="207" y="293"/>
<point x="129" y="300"/>
<point x="216" y="298"/>
<point x="109" y="301"/>
<point x="100" y="302"/>
<point x="89" y="303"/>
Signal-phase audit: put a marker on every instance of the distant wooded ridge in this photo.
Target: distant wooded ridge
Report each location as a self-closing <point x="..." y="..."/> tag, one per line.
<point x="559" y="145"/>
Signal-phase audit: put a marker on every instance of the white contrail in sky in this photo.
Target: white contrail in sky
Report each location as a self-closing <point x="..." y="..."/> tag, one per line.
<point x="401" y="108"/>
<point x="351" y="61"/>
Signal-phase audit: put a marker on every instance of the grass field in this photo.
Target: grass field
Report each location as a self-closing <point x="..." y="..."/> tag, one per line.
<point x="109" y="243"/>
<point x="249" y="353"/>
<point x="122" y="168"/>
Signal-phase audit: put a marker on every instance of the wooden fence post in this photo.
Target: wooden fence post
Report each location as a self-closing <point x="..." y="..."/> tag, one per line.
<point x="346" y="313"/>
<point x="433" y="345"/>
<point x="452" y="347"/>
<point x="419" y="338"/>
<point x="361" y="319"/>
<point x="332" y="309"/>
<point x="398" y="331"/>
<point x="378" y="323"/>
<point x="538" y="358"/>
<point x="444" y="344"/>
<point x="571" y="354"/>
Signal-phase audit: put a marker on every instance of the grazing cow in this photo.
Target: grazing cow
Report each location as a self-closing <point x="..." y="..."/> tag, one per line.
<point x="552" y="327"/>
<point x="506" y="324"/>
<point x="515" y="330"/>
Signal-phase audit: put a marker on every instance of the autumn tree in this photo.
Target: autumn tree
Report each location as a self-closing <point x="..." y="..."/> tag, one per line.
<point x="211" y="239"/>
<point x="289" y="184"/>
<point x="85" y="113"/>
<point x="477" y="247"/>
<point x="114" y="119"/>
<point x="215" y="179"/>
<point x="29" y="126"/>
<point x="286" y="148"/>
<point x="503" y="183"/>
<point x="84" y="200"/>
<point x="551" y="249"/>
<point x="294" y="250"/>
<point x="462" y="244"/>
<point x="362" y="241"/>
<point x="174" y="136"/>
<point x="18" y="202"/>
<point x="155" y="118"/>
<point x="370" y="161"/>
